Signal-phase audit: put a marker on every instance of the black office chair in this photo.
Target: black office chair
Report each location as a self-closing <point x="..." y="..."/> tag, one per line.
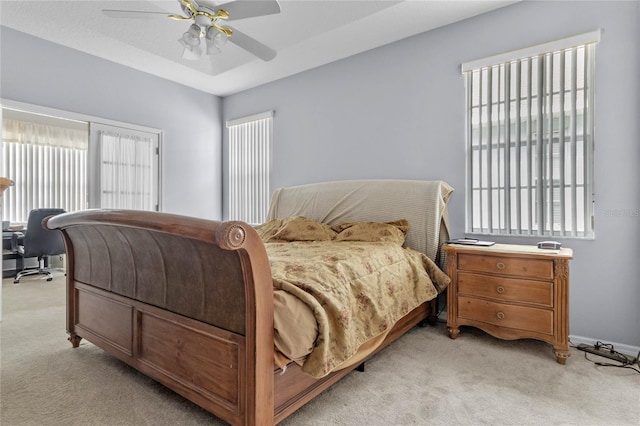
<point x="38" y="242"/>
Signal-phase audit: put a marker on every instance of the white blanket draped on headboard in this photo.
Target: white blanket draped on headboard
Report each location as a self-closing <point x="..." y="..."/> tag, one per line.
<point x="422" y="203"/>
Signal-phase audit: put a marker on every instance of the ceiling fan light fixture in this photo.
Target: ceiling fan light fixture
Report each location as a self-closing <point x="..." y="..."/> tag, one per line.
<point x="191" y="38"/>
<point x="215" y="40"/>
<point x="212" y="49"/>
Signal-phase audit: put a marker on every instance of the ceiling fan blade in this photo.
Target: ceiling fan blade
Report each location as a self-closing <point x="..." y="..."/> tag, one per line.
<point x="179" y="18"/>
<point x="134" y="14"/>
<point x="241" y="9"/>
<point x="252" y="45"/>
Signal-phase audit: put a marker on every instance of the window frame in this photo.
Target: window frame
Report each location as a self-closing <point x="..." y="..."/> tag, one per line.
<point x="252" y="203"/>
<point x="502" y="148"/>
<point x="91" y="120"/>
<point x="95" y="162"/>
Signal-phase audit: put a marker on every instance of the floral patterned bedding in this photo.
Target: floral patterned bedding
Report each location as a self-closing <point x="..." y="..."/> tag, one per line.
<point x="356" y="290"/>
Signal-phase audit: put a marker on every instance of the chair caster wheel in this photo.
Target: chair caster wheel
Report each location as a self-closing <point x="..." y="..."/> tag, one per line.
<point x="49" y="279"/>
<point x="16" y="281"/>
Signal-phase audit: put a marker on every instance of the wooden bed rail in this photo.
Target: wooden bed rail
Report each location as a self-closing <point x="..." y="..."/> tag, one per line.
<point x="154" y="288"/>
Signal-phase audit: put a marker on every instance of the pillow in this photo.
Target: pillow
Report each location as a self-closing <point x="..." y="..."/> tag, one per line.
<point x="395" y="231"/>
<point x="267" y="230"/>
<point x="296" y="228"/>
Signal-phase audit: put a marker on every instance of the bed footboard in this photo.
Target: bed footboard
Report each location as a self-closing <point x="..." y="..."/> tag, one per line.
<point x="186" y="301"/>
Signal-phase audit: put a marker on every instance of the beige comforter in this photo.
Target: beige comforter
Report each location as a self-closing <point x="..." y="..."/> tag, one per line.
<point x="355" y="290"/>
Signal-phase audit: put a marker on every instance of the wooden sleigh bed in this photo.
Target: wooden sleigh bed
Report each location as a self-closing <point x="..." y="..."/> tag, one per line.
<point x="189" y="302"/>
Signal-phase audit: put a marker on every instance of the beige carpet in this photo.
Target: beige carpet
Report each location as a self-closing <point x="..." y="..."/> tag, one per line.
<point x="424" y="378"/>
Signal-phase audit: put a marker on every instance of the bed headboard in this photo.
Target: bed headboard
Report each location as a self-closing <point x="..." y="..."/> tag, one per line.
<point x="422" y="203"/>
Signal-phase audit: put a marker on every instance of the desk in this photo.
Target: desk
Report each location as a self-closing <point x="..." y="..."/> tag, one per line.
<point x="11" y="261"/>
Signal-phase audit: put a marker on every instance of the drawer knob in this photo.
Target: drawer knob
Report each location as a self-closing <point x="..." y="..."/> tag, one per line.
<point x="500" y="265"/>
<point x="500" y="315"/>
<point x="500" y="289"/>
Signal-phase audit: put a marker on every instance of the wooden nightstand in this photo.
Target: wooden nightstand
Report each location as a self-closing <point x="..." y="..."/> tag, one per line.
<point x="511" y="292"/>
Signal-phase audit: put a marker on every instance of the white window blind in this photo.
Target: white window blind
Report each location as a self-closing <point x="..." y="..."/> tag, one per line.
<point x="530" y="140"/>
<point x="250" y="167"/>
<point x="127" y="172"/>
<point x="48" y="164"/>
<point x="58" y="159"/>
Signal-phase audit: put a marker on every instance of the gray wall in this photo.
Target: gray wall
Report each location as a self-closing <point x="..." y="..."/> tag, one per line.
<point x="41" y="73"/>
<point x="398" y="112"/>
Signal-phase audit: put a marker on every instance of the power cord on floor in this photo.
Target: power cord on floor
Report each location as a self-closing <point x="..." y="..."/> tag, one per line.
<point x="607" y="364"/>
<point x="622" y="359"/>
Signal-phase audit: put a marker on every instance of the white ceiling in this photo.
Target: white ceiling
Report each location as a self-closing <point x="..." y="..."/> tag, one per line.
<point x="305" y="34"/>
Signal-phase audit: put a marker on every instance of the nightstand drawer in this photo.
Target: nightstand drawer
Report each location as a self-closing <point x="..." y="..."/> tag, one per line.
<point x="509" y="289"/>
<point x="529" y="268"/>
<point x="504" y="315"/>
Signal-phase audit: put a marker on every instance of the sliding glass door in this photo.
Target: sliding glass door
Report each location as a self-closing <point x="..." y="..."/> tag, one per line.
<point x="77" y="164"/>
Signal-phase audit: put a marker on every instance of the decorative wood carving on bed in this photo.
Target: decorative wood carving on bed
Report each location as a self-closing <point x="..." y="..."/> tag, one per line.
<point x="188" y="302"/>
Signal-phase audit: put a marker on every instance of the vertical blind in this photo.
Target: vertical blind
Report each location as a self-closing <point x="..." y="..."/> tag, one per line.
<point x="250" y="167"/>
<point x="48" y="165"/>
<point x="530" y="142"/>
<point x="75" y="165"/>
<point x="127" y="177"/>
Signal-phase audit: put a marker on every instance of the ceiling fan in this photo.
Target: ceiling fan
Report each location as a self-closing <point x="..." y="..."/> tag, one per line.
<point x="208" y="24"/>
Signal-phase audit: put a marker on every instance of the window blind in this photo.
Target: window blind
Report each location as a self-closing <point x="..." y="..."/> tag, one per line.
<point x="127" y="172"/>
<point x="48" y="164"/>
<point x="530" y="141"/>
<point x="56" y="159"/>
<point x="250" y="167"/>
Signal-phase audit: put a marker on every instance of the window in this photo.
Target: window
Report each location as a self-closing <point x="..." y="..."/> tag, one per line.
<point x="47" y="160"/>
<point x="76" y="164"/>
<point x="530" y="140"/>
<point x="126" y="168"/>
<point x="250" y="167"/>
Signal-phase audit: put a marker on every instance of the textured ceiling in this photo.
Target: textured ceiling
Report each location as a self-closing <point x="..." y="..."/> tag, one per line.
<point x="306" y="34"/>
